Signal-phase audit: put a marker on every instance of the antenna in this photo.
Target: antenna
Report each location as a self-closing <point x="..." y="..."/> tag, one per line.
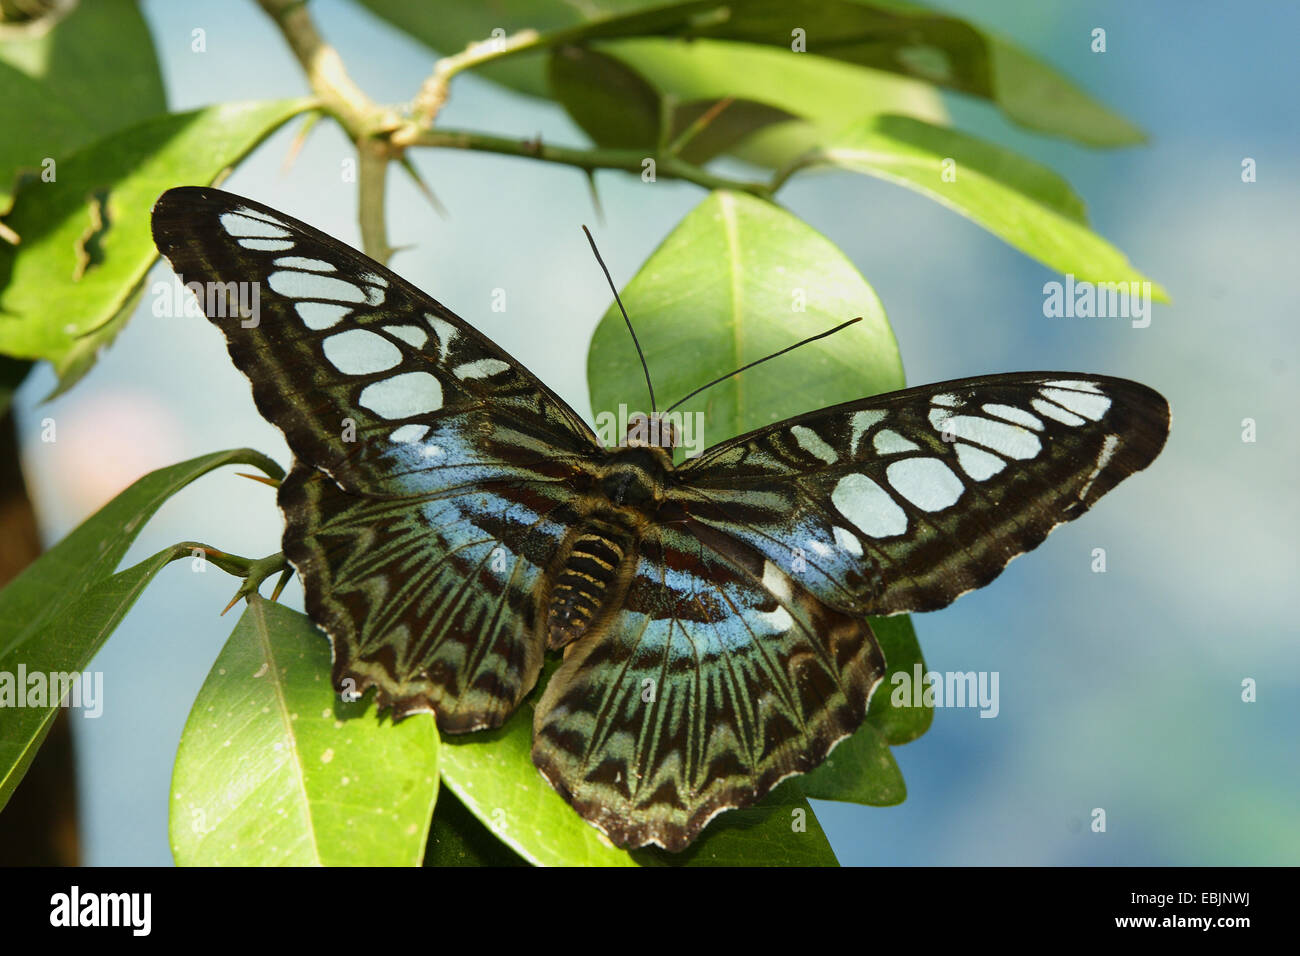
<point x="641" y="355"/>
<point x="788" y="348"/>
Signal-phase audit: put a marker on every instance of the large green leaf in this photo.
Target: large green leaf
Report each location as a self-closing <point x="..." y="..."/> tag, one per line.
<point x="619" y="109"/>
<point x="59" y="611"/>
<point x="1024" y="204"/>
<point x="273" y="770"/>
<point x="736" y="280"/>
<point x="86" y="245"/>
<point x="93" y="73"/>
<point x="886" y="35"/>
<point x="822" y="92"/>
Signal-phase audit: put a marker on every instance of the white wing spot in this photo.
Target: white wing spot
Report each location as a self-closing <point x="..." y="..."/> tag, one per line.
<point x="302" y="262"/>
<point x="319" y="316"/>
<point x="445" y="331"/>
<point x="890" y="442"/>
<point x="1103" y="459"/>
<point x="237" y="224"/>
<point x="360" y="352"/>
<point x="410" y="334"/>
<point x="408" y="434"/>
<point x="946" y="400"/>
<point x="978" y="463"/>
<point x="1077" y="386"/>
<point x="1057" y="413"/>
<point x="812" y="443"/>
<point x="266" y="245"/>
<point x="926" y="482"/>
<point x="775" y="581"/>
<point x="375" y="278"/>
<point x="778" y="620"/>
<point x="860" y="423"/>
<point x="1087" y="404"/>
<point x="847" y="541"/>
<point x="482" y="368"/>
<point x="403" y="396"/>
<point x="818" y="547"/>
<point x="309" y="285"/>
<point x="1010" y="441"/>
<point x="868" y="507"/>
<point x="1013" y="414"/>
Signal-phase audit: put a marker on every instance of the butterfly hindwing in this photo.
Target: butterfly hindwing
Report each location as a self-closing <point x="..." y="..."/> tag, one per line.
<point x="718" y="678"/>
<point x="904" y="501"/>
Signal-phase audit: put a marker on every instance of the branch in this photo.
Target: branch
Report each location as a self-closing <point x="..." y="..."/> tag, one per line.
<point x="366" y="122"/>
<point x="628" y="160"/>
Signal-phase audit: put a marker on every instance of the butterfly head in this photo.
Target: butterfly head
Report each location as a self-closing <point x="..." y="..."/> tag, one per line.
<point x="651" y="431"/>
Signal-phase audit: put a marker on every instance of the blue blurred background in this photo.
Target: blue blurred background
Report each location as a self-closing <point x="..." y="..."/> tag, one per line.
<point x="1119" y="690"/>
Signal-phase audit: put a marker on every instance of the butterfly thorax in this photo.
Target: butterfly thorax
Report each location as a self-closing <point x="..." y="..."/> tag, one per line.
<point x="595" y="561"/>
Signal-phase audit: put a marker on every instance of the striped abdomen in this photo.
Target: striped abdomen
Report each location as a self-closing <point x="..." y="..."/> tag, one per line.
<point x="588" y="580"/>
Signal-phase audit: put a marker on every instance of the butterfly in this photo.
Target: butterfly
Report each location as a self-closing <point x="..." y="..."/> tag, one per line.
<point x="452" y="519"/>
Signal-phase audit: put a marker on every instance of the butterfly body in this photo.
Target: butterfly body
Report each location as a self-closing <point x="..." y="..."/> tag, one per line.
<point x="452" y="520"/>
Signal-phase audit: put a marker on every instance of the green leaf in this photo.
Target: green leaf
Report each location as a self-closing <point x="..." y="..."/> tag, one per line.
<point x="457" y="838"/>
<point x="1024" y="204"/>
<point x="781" y="830"/>
<point x="736" y="280"/>
<point x="898" y="725"/>
<point x="86" y="244"/>
<point x="886" y="35"/>
<point x="93" y="73"/>
<point x="860" y="769"/>
<point x="59" y="611"/>
<point x="273" y="770"/>
<point x="448" y="26"/>
<point x="618" y="109"/>
<point x="822" y="92"/>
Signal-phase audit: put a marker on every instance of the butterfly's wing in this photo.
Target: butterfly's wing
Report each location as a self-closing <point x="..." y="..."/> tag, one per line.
<point x="749" y="602"/>
<point x="719" y="678"/>
<point x="431" y="469"/>
<point x="904" y="501"/>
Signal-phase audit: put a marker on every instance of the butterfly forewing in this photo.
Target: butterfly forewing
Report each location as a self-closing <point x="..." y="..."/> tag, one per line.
<point x="904" y="501"/>
<point x="370" y="379"/>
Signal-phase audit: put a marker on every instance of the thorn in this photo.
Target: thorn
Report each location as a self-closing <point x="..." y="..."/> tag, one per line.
<point x="285" y="575"/>
<point x="595" y="196"/>
<point x="299" y="139"/>
<point x="233" y="601"/>
<point x="420" y="184"/>
<point x="262" y="478"/>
